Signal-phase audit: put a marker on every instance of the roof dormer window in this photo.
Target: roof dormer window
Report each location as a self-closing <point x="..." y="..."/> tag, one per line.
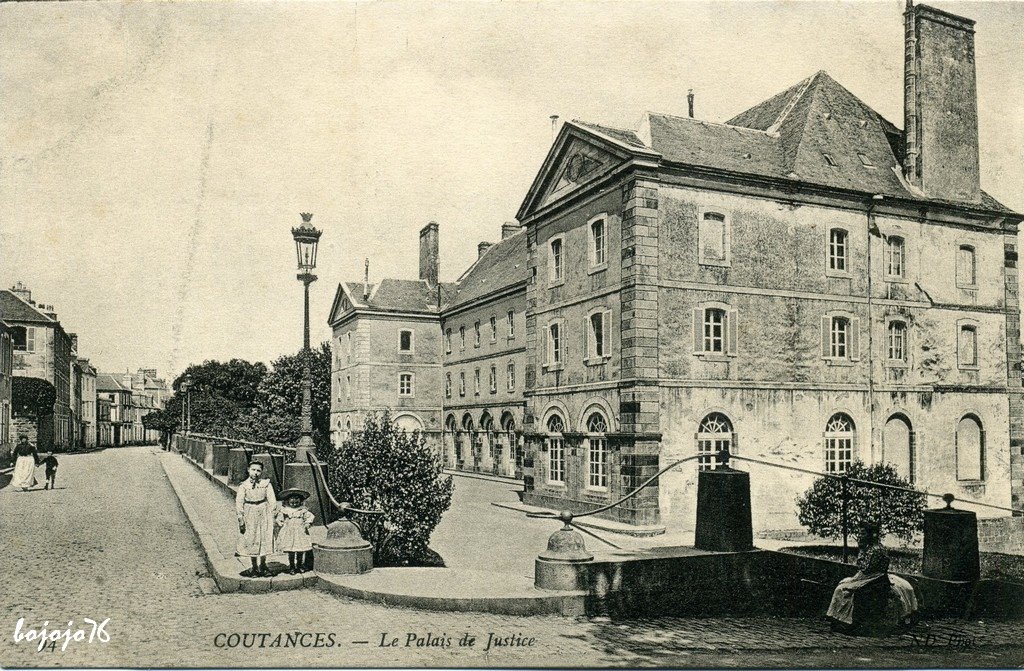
<point x="828" y="159"/>
<point x="865" y="161"/>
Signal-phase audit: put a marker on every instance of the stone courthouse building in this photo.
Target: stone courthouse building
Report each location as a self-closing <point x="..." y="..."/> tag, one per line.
<point x="806" y="284"/>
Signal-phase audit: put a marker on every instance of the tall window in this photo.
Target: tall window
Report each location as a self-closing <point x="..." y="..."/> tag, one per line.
<point x="348" y="386"/>
<point x="511" y="324"/>
<point x="839" y="338"/>
<point x="510" y="376"/>
<point x="494" y="329"/>
<point x="967" y="350"/>
<point x="714" y="434"/>
<point x="348" y="346"/>
<point x="597" y="451"/>
<point x="19" y="338"/>
<point x="476" y="382"/>
<point x="494" y="379"/>
<point x="966" y="268"/>
<point x="462" y="383"/>
<point x="714" y="330"/>
<point x="447" y="341"/>
<point x="447" y="385"/>
<point x="556" y="260"/>
<point x="895" y="252"/>
<point x="405" y="341"/>
<point x="476" y="334"/>
<point x="554" y="344"/>
<point x="462" y="338"/>
<point x="30" y="342"/>
<point x="838" y="250"/>
<point x="597" y="251"/>
<point x="599" y="334"/>
<point x="897" y="342"/>
<point x="970" y="449"/>
<point x="839" y="435"/>
<point x="713" y="239"/>
<point x="898" y="446"/>
<point x="405" y="384"/>
<point x="556" y="449"/>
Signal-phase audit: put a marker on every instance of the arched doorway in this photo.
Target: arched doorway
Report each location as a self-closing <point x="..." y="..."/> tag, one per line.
<point x="488" y="448"/>
<point x="452" y="448"/>
<point x="898" y="446"/>
<point x="514" y="453"/>
<point x="468" y="442"/>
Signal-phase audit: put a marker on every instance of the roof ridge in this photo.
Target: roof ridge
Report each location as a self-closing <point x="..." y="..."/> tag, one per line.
<point x="797" y="97"/>
<point x="709" y="123"/>
<point x="30" y="305"/>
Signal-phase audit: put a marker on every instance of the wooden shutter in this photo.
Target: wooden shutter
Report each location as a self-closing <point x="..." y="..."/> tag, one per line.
<point x="587" y="345"/>
<point x="826" y="336"/>
<point x="981" y="454"/>
<point x="732" y="331"/>
<point x="606" y="332"/>
<point x="854" y="342"/>
<point x="698" y="330"/>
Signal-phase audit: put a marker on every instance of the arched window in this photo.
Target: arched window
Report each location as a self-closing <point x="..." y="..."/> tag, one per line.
<point x="556" y="448"/>
<point x="898" y="447"/>
<point x="597" y="451"/>
<point x="408" y="423"/>
<point x="839" y="435"/>
<point x="970" y="449"/>
<point x="714" y="434"/>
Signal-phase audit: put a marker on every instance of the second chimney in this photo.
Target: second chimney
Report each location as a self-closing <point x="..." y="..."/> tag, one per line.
<point x="940" y="105"/>
<point x="429" y="261"/>
<point x="508" y="229"/>
<point x="482" y="247"/>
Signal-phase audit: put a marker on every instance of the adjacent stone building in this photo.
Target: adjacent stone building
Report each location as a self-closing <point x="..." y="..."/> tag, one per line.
<point x="6" y="376"/>
<point x="42" y="349"/>
<point x="805" y="284"/>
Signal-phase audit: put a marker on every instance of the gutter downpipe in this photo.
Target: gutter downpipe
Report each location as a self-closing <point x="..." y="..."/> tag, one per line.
<point x="872" y="228"/>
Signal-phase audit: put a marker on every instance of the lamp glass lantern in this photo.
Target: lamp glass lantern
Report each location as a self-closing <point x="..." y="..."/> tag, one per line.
<point x="307" y="238"/>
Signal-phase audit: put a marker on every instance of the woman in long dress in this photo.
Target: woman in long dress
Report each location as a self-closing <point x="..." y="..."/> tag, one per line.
<point x="255" y="505"/>
<point x="25" y="466"/>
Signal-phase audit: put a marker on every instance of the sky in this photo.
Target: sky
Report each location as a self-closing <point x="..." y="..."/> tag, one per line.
<point x="154" y="156"/>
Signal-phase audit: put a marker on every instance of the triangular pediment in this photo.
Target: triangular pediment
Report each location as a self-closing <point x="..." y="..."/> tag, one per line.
<point x="342" y="304"/>
<point x="578" y="157"/>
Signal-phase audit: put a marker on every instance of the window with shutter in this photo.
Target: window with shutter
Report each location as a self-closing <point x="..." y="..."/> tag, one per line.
<point x="606" y="318"/>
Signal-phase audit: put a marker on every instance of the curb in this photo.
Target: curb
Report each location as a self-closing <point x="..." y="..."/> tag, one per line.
<point x="224" y="568"/>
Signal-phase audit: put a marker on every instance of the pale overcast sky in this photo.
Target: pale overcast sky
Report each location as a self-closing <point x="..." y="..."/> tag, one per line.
<point x="153" y="157"/>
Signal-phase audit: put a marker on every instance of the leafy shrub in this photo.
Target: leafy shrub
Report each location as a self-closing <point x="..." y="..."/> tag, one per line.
<point x="32" y="395"/>
<point x="385" y="468"/>
<point x="872" y="512"/>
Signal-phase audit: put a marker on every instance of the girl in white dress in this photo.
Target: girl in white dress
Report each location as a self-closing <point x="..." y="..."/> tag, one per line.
<point x="255" y="503"/>
<point x="293" y="537"/>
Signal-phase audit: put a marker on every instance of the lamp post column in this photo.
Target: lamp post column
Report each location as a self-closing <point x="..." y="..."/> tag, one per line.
<point x="305" y="443"/>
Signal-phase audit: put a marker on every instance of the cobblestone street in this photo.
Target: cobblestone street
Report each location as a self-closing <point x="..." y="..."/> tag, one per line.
<point x="112" y="542"/>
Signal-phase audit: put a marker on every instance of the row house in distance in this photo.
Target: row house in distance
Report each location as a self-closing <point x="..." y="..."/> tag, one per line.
<point x="483" y="327"/>
<point x="87" y="411"/>
<point x="42" y="349"/>
<point x="805" y="284"/>
<point x="114" y="410"/>
<point x="6" y="376"/>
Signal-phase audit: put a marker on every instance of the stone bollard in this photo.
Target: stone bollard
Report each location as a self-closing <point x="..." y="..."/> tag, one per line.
<point x="723" y="510"/>
<point x="221" y="452"/>
<point x="298" y="475"/>
<point x="238" y="465"/>
<point x="951" y="544"/>
<point x="344" y="551"/>
<point x="207" y="455"/>
<point x="563" y="566"/>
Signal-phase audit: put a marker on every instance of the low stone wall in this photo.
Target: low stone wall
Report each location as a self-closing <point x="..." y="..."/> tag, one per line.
<point x="1001" y="534"/>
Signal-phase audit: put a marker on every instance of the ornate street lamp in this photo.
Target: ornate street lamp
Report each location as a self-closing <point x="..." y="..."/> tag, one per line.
<point x="306" y="240"/>
<point x="186" y="388"/>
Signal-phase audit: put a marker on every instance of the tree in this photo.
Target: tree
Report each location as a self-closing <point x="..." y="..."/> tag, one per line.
<point x="277" y="413"/>
<point x="385" y="468"/>
<point x="221" y="394"/>
<point x="163" y="421"/>
<point x="32" y="396"/>
<point x="872" y="512"/>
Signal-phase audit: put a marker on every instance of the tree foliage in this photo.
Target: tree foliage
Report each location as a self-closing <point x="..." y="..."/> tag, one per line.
<point x="385" y="468"/>
<point x="32" y="395"/>
<point x="872" y="512"/>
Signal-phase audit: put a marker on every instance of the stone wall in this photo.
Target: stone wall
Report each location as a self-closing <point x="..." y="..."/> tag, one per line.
<point x="1004" y="534"/>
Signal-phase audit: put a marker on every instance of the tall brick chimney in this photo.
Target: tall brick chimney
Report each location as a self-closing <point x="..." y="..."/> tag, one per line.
<point x="482" y="247"/>
<point x="509" y="228"/>
<point x="21" y="291"/>
<point x="940" y="104"/>
<point x="429" y="261"/>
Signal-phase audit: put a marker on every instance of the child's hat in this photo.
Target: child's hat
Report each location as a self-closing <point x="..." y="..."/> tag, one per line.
<point x="288" y="493"/>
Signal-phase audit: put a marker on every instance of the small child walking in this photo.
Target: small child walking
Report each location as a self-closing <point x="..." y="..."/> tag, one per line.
<point x="51" y="471"/>
<point x="293" y="536"/>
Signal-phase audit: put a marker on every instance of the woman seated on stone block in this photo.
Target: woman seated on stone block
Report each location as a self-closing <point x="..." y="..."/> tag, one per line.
<point x="873" y="601"/>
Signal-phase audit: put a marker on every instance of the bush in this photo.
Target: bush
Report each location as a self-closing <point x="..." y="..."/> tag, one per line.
<point x="385" y="468"/>
<point x="872" y="512"/>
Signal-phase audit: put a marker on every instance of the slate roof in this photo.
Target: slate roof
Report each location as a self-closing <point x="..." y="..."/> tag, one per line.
<point x="501" y="266"/>
<point x="625" y="136"/>
<point x="107" y="382"/>
<point x="400" y="295"/>
<point x="787" y="137"/>
<point x="14" y="309"/>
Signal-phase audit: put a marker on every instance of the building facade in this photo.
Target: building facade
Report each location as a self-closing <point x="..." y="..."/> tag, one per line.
<point x="42" y="349"/>
<point x="6" y="377"/>
<point x="116" y="410"/>
<point x="90" y="427"/>
<point x="805" y="284"/>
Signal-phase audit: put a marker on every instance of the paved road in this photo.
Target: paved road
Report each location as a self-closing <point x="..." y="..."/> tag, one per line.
<point x="111" y="542"/>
